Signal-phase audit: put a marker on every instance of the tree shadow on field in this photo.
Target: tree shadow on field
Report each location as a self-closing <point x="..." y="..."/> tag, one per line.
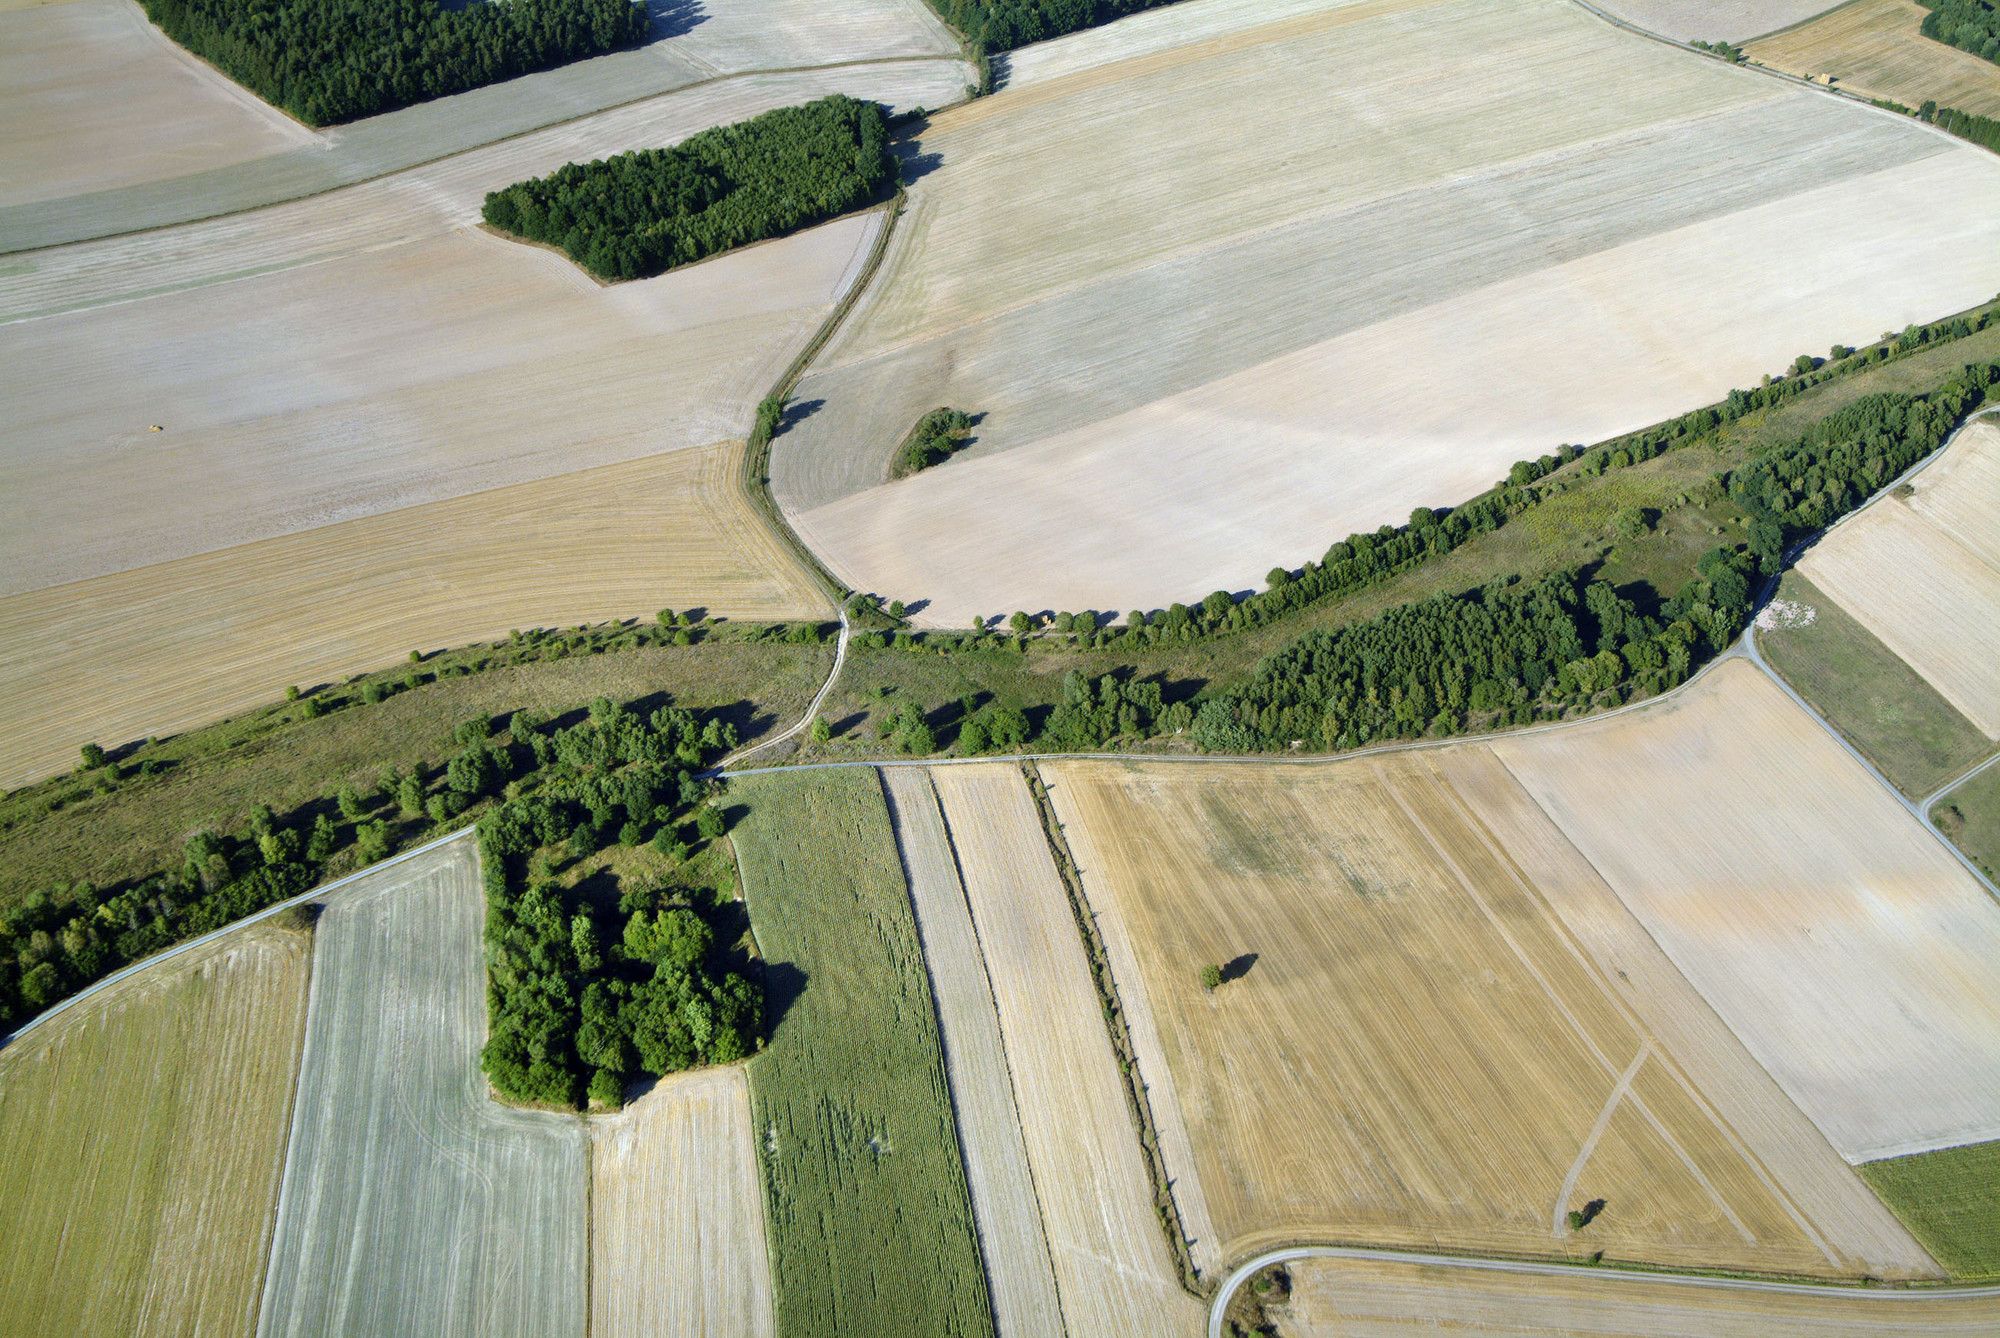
<point x="913" y="162"/>
<point x="1238" y="966"/>
<point x="795" y="413"/>
<point x="784" y="982"/>
<point x="674" y="18"/>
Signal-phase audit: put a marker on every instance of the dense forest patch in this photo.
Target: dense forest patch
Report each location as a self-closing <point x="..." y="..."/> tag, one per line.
<point x="642" y="213"/>
<point x="334" y="60"/>
<point x="993" y="26"/>
<point x="1969" y="25"/>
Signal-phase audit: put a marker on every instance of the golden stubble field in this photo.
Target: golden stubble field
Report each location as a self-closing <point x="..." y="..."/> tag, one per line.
<point x="1443" y="1029"/>
<point x="176" y="645"/>
<point x="1922" y="572"/>
<point x="144" y="1131"/>
<point x="1180" y="335"/>
<point x="1875" y="48"/>
<point x="677" y="1213"/>
<point x="1112" y="1270"/>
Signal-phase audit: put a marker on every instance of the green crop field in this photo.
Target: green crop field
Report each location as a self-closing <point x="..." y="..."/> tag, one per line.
<point x="1970" y="815"/>
<point x="869" y="1219"/>
<point x="1950" y="1201"/>
<point x="1883" y="706"/>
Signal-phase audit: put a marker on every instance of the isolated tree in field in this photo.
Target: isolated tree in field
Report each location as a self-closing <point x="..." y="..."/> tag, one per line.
<point x="820" y="732"/>
<point x="93" y="756"/>
<point x="1211" y="977"/>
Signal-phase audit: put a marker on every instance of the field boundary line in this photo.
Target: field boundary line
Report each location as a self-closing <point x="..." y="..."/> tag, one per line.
<point x="867" y="62"/>
<point x="166" y="954"/>
<point x="1798" y="81"/>
<point x="1136" y="1091"/>
<point x="1936" y="797"/>
<point x="1796" y="24"/>
<point x="256" y="1316"/>
<point x="1531" y="1268"/>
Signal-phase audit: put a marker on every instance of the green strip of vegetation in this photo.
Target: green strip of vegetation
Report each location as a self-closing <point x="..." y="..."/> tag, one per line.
<point x="639" y="214"/>
<point x="1970" y="816"/>
<point x="1969" y="25"/>
<point x="932" y="441"/>
<point x="334" y="60"/>
<point x="868" y="1216"/>
<point x="1878" y="702"/>
<point x="1692" y="506"/>
<point x="598" y="970"/>
<point x="1950" y="1201"/>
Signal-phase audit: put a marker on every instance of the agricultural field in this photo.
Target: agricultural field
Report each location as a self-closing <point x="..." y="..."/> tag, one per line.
<point x="1708" y="20"/>
<point x="1437" y="1027"/>
<point x="1011" y="1239"/>
<point x="1884" y="707"/>
<point x="1920" y="569"/>
<point x="144" y="1130"/>
<point x="1113" y="1272"/>
<point x="1970" y="816"/>
<point x="63" y="131"/>
<point x="677" y="1214"/>
<point x="109" y="188"/>
<point x="1838" y="938"/>
<point x="1950" y="1199"/>
<point x="1150" y="326"/>
<point x="1356" y="1298"/>
<point x="106" y="658"/>
<point x="1874" y="48"/>
<point x="869" y="1224"/>
<point x="412" y="1201"/>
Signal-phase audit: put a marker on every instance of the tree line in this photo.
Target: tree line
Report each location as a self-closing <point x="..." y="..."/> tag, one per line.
<point x="932" y="441"/>
<point x="641" y="213"/>
<point x="583" y="996"/>
<point x="993" y="26"/>
<point x="334" y="60"/>
<point x="1969" y="25"/>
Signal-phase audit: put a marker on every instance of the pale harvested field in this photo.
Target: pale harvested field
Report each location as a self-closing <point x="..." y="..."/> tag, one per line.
<point x="1840" y="940"/>
<point x="1011" y="1243"/>
<point x="1448" y="1033"/>
<point x="399" y="376"/>
<point x="412" y="1202"/>
<point x="108" y="659"/>
<point x="93" y="96"/>
<point x="1923" y="574"/>
<point x="1112" y="1270"/>
<point x="1181" y="335"/>
<point x="713" y="42"/>
<point x="677" y="1214"/>
<point x="144" y="1130"/>
<point x="1875" y="48"/>
<point x="1345" y="1298"/>
<point x="1708" y="20"/>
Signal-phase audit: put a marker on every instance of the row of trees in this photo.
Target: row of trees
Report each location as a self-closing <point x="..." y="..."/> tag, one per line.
<point x="1808" y="483"/>
<point x="583" y="996"/>
<point x="1001" y="25"/>
<point x="1969" y="25"/>
<point x="641" y="213"/>
<point x="334" y="60"/>
<point x="1981" y="130"/>
<point x="1499" y="656"/>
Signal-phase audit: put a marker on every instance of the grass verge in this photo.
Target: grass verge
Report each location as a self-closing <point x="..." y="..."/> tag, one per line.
<point x="869" y="1218"/>
<point x="1970" y="816"/>
<point x="1877" y="702"/>
<point x="1950" y="1201"/>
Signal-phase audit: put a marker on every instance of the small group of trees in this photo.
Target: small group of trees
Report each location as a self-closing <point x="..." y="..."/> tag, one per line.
<point x="334" y="60"/>
<point x="583" y="996"/>
<point x="638" y="214"/>
<point x="932" y="441"/>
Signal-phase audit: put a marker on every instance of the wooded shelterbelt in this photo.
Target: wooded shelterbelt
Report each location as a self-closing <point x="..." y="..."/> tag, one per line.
<point x="1969" y="25"/>
<point x="993" y="26"/>
<point x="641" y="213"/>
<point x="334" y="60"/>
